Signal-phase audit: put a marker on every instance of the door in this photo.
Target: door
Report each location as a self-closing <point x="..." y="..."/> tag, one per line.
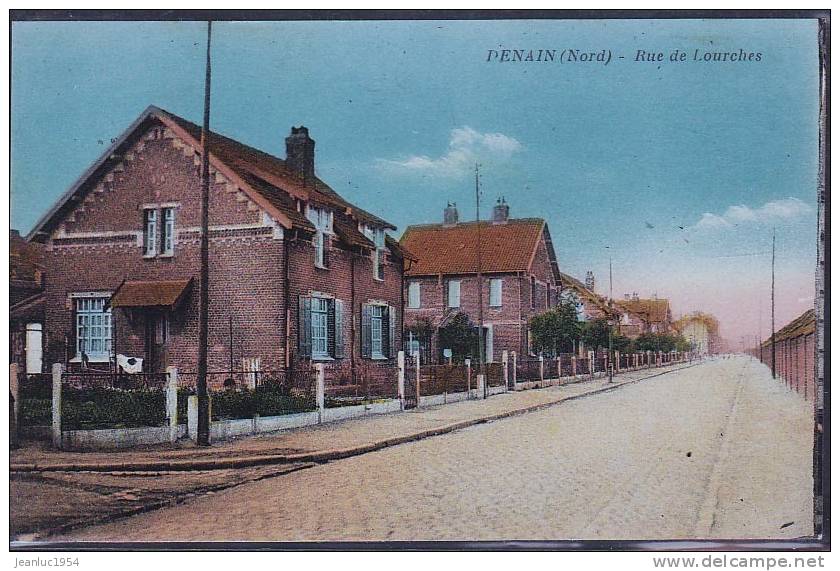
<point x="34" y="348"/>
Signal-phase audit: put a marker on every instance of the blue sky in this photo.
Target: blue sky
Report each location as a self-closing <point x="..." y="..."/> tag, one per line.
<point x="616" y="157"/>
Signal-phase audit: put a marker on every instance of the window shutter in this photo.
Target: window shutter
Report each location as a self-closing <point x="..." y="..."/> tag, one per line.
<point x="305" y="326"/>
<point x="366" y="349"/>
<point x="392" y="338"/>
<point x="338" y="331"/>
<point x="327" y="242"/>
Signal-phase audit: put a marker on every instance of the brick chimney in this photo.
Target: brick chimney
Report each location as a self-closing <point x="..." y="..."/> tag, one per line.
<point x="450" y="214"/>
<point x="501" y="211"/>
<point x="300" y="154"/>
<point x="590" y="281"/>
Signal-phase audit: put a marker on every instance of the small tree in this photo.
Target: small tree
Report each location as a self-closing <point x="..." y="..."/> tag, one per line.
<point x="461" y="336"/>
<point x="622" y="344"/>
<point x="596" y="334"/>
<point x="556" y="330"/>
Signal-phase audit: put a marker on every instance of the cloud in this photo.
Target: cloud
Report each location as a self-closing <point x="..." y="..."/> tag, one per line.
<point x="466" y="147"/>
<point x="773" y="211"/>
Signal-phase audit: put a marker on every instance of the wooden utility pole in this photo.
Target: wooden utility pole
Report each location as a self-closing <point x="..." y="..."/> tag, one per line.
<point x="773" y="306"/>
<point x="480" y="284"/>
<point x="204" y="279"/>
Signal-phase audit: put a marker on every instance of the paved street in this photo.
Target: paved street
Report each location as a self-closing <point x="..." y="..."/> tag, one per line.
<point x="719" y="450"/>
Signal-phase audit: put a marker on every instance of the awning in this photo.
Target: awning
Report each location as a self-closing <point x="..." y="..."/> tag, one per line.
<point x="166" y="294"/>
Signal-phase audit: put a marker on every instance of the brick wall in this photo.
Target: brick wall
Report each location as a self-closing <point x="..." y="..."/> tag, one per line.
<point x="794" y="363"/>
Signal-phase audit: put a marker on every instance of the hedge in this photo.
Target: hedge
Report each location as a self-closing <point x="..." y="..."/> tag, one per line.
<point x="266" y="400"/>
<point x="35" y="412"/>
<point x="96" y="408"/>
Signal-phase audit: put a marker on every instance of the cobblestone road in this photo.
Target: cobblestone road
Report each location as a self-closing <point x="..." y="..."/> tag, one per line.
<point x="718" y="450"/>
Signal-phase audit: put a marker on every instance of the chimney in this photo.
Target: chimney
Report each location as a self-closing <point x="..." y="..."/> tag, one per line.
<point x="450" y="214"/>
<point x="635" y="296"/>
<point x="590" y="281"/>
<point x="300" y="154"/>
<point x="501" y="211"/>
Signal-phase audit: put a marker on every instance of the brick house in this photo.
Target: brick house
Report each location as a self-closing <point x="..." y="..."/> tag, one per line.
<point x="639" y="315"/>
<point x="590" y="304"/>
<point x="518" y="279"/>
<point x="296" y="271"/>
<point x="26" y="303"/>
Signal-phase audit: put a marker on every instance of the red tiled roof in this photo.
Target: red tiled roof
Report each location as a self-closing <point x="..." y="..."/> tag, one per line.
<point x="584" y="292"/>
<point x="163" y="293"/>
<point x="447" y="249"/>
<point x="248" y="160"/>
<point x="650" y="310"/>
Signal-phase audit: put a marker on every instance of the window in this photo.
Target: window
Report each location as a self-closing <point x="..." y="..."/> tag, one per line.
<point x="93" y="328"/>
<point x="454" y="294"/>
<point x="150" y="221"/>
<point x="414" y="295"/>
<point x="161" y="329"/>
<point x="495" y="292"/>
<point x="376" y="331"/>
<point x="320" y="328"/>
<point x="322" y="219"/>
<point x="167" y="240"/>
<point x="377" y="236"/>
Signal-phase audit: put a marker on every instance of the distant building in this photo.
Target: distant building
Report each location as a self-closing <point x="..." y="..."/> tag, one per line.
<point x="702" y="332"/>
<point x="519" y="279"/>
<point x="640" y="315"/>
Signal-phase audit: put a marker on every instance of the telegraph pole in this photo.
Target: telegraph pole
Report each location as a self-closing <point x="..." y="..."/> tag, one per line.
<point x="204" y="279"/>
<point x="610" y="327"/>
<point x="773" y="306"/>
<point x="480" y="285"/>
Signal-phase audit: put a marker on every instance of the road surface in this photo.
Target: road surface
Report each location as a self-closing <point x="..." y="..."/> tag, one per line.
<point x="719" y="450"/>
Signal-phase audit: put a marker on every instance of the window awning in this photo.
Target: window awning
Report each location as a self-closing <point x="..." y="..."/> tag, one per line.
<point x="166" y="294"/>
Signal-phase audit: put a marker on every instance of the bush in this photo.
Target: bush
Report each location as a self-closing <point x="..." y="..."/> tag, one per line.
<point x="89" y="409"/>
<point x="35" y="412"/>
<point x="269" y="399"/>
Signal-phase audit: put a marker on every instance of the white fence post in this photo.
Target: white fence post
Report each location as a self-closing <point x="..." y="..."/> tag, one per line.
<point x="417" y="377"/>
<point x="56" y="404"/>
<point x="574" y="365"/>
<point x="542" y="370"/>
<point x="401" y="378"/>
<point x="559" y="368"/>
<point x="468" y="363"/>
<point x="192" y="417"/>
<point x="172" y="402"/>
<point x="319" y="390"/>
<point x="514" y="370"/>
<point x="505" y="369"/>
<point x="617" y="361"/>
<point x="479" y="386"/>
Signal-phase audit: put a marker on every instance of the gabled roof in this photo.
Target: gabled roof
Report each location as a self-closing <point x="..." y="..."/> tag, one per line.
<point x="262" y="176"/>
<point x="452" y="249"/>
<point x="584" y="292"/>
<point x="649" y="310"/>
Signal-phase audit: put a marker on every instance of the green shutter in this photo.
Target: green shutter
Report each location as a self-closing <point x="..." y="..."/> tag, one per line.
<point x="304" y="326"/>
<point x="338" y="332"/>
<point x="366" y="333"/>
<point x="391" y="351"/>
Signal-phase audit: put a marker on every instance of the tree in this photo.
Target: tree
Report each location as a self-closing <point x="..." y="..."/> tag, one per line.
<point x="556" y="330"/>
<point x="461" y="336"/>
<point x="596" y="334"/>
<point x="622" y="344"/>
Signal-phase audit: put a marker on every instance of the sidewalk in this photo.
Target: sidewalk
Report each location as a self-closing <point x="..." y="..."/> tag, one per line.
<point x="55" y="491"/>
<point x="317" y="443"/>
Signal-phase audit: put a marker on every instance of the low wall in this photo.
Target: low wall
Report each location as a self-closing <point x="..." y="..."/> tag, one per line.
<point x="116" y="438"/>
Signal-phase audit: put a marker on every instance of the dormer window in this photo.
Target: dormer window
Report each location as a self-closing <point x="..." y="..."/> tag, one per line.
<point x="322" y="219"/>
<point x="377" y="236"/>
<point x="158" y="231"/>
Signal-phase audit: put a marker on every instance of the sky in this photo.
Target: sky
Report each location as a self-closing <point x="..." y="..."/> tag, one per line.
<point x="676" y="171"/>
